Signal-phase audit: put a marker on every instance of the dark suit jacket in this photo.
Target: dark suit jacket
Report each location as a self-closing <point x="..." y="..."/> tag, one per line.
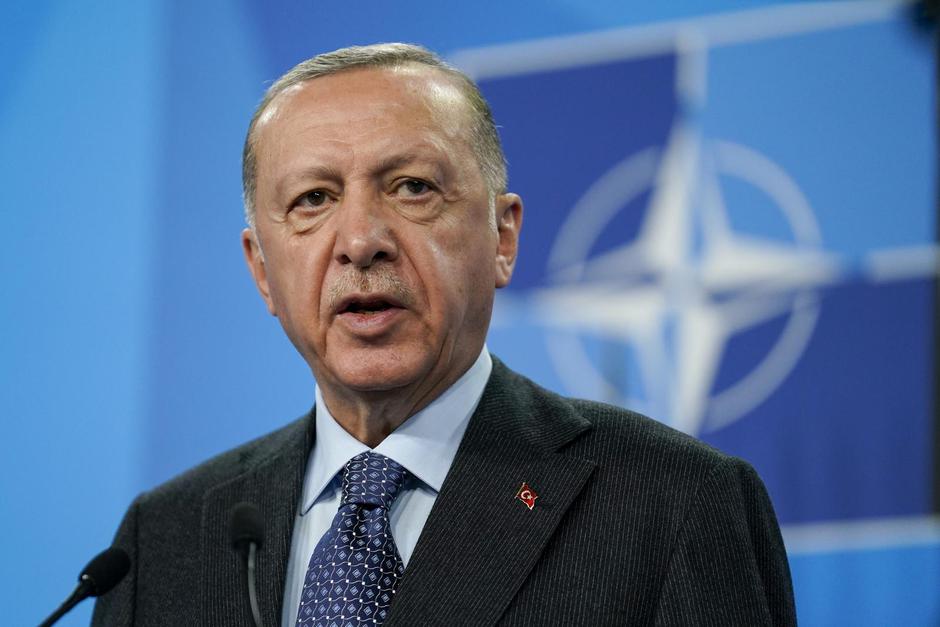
<point x="635" y="523"/>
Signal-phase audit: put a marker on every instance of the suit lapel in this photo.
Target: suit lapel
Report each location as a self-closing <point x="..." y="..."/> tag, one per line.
<point x="480" y="542"/>
<point x="272" y="481"/>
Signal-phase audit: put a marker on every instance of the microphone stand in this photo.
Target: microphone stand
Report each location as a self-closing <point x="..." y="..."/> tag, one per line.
<point x="82" y="591"/>
<point x="252" y="588"/>
<point x="247" y="530"/>
<point x="102" y="573"/>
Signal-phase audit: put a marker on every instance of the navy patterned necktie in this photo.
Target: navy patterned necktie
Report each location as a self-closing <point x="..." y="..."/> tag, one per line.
<point x="355" y="568"/>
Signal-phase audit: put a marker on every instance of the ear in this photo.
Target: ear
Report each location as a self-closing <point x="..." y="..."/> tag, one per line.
<point x="508" y="225"/>
<point x="255" y="260"/>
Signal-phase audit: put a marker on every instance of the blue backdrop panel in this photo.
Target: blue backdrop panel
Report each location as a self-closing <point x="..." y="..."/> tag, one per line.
<point x="875" y="586"/>
<point x="729" y="225"/>
<point x="845" y="429"/>
<point x="788" y="214"/>
<point x="79" y="148"/>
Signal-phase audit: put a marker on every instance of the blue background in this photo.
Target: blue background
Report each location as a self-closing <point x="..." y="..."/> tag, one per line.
<point x="133" y="344"/>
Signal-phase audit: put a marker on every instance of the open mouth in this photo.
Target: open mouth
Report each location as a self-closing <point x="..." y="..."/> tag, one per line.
<point x="368" y="307"/>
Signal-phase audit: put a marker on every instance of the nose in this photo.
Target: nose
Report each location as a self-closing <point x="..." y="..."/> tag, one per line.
<point x="363" y="234"/>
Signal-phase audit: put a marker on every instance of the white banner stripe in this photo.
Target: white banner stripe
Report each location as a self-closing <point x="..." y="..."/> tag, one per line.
<point x="873" y="533"/>
<point x="713" y="30"/>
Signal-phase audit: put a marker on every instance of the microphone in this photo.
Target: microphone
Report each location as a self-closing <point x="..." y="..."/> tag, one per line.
<point x="247" y="532"/>
<point x="102" y="573"/>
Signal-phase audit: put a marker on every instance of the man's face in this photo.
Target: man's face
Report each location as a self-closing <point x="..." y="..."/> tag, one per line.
<point x="380" y="255"/>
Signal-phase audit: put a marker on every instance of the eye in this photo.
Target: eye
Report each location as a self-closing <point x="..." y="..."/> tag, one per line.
<point x="314" y="198"/>
<point x="413" y="187"/>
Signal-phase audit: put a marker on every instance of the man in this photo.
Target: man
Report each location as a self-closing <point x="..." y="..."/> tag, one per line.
<point x="431" y="485"/>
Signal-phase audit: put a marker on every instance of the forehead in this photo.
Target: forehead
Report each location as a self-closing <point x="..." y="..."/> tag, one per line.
<point x="408" y="96"/>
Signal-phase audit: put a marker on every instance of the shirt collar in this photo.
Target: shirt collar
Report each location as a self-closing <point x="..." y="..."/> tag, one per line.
<point x="425" y="444"/>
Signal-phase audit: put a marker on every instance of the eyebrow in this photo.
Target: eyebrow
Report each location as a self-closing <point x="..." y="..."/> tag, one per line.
<point x="321" y="172"/>
<point x="431" y="155"/>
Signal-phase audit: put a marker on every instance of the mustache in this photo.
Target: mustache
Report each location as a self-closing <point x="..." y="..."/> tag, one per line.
<point x="379" y="279"/>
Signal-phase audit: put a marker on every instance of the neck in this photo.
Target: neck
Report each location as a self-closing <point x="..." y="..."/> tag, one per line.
<point x="369" y="420"/>
<point x="370" y="416"/>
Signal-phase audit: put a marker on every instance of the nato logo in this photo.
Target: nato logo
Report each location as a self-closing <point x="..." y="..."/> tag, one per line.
<point x="689" y="255"/>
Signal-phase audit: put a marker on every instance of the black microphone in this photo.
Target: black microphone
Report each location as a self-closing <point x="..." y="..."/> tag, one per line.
<point x="247" y="533"/>
<point x="102" y="573"/>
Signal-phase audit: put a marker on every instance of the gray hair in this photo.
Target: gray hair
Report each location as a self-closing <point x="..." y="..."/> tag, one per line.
<point x="484" y="138"/>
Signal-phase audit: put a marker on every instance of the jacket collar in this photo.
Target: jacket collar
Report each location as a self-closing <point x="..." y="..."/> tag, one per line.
<point x="480" y="541"/>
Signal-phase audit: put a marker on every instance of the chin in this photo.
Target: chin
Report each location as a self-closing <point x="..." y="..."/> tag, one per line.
<point x="378" y="370"/>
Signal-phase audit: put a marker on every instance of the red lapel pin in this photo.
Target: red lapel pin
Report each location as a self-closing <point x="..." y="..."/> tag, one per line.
<point x="527" y="495"/>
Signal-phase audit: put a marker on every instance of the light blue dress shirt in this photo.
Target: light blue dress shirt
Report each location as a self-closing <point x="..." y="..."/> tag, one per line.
<point x="425" y="444"/>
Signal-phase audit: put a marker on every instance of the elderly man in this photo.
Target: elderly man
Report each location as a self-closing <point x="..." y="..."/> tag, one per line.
<point x="431" y="485"/>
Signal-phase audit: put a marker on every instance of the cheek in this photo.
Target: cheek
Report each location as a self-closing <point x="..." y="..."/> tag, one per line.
<point x="457" y="264"/>
<point x="299" y="279"/>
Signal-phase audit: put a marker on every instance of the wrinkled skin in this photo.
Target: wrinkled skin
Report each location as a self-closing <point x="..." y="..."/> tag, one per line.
<point x="374" y="242"/>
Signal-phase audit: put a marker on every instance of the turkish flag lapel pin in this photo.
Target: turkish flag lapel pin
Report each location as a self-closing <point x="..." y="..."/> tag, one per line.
<point x="527" y="495"/>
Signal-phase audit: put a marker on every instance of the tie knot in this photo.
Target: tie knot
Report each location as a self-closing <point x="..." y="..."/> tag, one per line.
<point x="372" y="479"/>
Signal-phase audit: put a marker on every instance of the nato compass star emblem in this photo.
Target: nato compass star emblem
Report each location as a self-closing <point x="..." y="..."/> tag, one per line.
<point x="688" y="282"/>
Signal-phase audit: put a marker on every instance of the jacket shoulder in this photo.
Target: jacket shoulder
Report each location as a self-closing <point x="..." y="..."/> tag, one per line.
<point x="607" y="434"/>
<point x="229" y="465"/>
<point x="618" y="433"/>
